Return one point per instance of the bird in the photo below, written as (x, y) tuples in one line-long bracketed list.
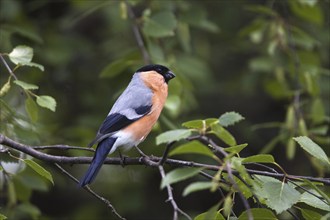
[(132, 116)]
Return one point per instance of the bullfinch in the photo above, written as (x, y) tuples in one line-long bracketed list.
[(132, 116)]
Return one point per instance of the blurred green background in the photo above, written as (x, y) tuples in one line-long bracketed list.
[(253, 57)]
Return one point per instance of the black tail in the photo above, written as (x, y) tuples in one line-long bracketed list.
[(102, 151)]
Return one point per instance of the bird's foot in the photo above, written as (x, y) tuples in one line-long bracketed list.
[(122, 159)]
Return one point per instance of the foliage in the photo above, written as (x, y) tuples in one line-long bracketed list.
[(267, 60)]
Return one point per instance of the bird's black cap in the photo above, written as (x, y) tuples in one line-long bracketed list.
[(162, 70)]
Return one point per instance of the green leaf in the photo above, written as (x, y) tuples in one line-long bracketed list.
[(25, 85), (193, 147), (32, 109), (236, 149), (243, 188), (212, 213), (318, 111), (161, 24), (312, 148), (197, 186), (310, 215), (278, 196), (227, 205), (178, 175), (223, 134), (317, 189), (199, 124), (47, 102), (2, 217), (258, 213), (230, 118), (311, 13), (260, 158), (37, 65), (21, 54), (290, 149), (313, 201), (173, 135), (237, 165), (205, 216), (39, 169), (5, 88)]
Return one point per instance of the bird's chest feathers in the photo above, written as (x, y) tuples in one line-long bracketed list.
[(142, 127)]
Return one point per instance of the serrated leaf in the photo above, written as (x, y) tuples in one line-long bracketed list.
[(47, 102), (313, 201), (260, 158), (277, 195), (25, 85), (178, 175), (39, 169), (37, 65), (193, 147), (199, 124), (32, 109), (236, 149), (21, 54), (258, 213), (230, 118), (173, 135), (312, 148), (161, 24), (223, 134), (197, 186)]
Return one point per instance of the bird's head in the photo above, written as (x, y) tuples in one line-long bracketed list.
[(162, 70)]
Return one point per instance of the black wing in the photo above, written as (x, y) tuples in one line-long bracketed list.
[(117, 121)]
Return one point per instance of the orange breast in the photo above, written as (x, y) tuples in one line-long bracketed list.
[(142, 127)]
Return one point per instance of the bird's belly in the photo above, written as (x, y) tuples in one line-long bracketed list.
[(125, 141)]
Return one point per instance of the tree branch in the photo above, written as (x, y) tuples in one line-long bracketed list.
[(8, 68), (139, 161), (137, 34), (176, 209)]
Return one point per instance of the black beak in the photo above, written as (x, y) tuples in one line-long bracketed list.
[(168, 76)]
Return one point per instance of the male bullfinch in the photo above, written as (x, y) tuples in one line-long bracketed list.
[(132, 116)]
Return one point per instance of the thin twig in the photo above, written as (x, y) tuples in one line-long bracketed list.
[(165, 154), (176, 209), (141, 161), (88, 189), (240, 193), (137, 34), (230, 175), (8, 68)]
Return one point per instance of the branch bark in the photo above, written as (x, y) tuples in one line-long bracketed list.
[(30, 150)]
